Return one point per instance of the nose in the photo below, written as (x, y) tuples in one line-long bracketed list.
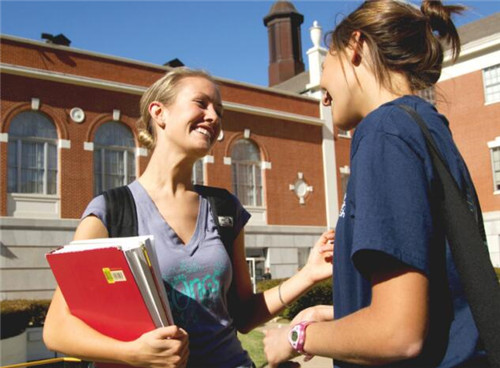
[(211, 114), (326, 99)]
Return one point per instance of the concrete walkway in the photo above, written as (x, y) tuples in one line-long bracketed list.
[(316, 362)]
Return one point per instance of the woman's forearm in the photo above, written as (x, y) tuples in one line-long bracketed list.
[(67, 334), (263, 306)]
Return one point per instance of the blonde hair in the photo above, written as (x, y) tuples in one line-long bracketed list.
[(164, 90)]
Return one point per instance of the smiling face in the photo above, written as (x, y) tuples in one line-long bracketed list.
[(341, 89), (192, 122)]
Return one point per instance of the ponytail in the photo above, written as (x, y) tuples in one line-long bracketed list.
[(402, 38)]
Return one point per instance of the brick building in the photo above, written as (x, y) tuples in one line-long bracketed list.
[(67, 131)]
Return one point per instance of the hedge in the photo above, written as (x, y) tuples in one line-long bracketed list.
[(16, 315), (321, 293)]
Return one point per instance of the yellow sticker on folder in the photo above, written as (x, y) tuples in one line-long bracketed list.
[(113, 276)]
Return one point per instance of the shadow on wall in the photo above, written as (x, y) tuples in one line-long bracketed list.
[(6, 252)]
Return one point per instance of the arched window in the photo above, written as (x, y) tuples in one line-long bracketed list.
[(246, 172), (32, 154), (114, 156)]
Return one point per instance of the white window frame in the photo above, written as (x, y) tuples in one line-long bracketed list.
[(494, 146), (343, 133), (491, 82), (256, 172), (428, 94), (47, 142), (100, 151), (195, 179)]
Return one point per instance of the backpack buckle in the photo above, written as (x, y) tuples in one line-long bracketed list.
[(226, 221)]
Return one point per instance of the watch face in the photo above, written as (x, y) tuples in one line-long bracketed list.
[(294, 335)]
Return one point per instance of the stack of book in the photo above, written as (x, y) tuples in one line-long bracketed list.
[(113, 285)]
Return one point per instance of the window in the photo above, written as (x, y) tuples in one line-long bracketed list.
[(114, 156), (495, 162), (491, 80), (345, 173), (246, 172), (197, 177), (428, 94), (32, 154), (343, 133)]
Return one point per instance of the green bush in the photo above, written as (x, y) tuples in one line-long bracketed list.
[(321, 293), (16, 315), (497, 270)]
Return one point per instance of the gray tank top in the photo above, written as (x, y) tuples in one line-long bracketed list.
[(196, 276)]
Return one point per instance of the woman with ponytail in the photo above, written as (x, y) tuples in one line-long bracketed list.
[(397, 296)]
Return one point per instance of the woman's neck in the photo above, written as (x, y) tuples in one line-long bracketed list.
[(376, 94), (168, 173)]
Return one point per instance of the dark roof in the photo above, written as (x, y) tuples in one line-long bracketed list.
[(296, 84), (282, 6), (283, 9), (480, 28)]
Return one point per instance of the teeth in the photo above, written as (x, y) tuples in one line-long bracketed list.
[(203, 131)]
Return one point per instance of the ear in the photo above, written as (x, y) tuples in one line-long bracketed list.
[(156, 110), (356, 45)]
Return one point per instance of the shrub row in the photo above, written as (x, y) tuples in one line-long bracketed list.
[(17, 315), (321, 293)]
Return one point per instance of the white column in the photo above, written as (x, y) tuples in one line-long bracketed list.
[(316, 56)]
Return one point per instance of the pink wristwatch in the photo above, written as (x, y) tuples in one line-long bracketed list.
[(297, 338)]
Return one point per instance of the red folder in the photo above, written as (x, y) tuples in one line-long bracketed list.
[(114, 285), (100, 289)]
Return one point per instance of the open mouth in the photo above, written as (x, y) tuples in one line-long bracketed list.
[(204, 131)]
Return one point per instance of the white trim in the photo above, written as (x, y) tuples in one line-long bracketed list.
[(70, 79), (329, 168), (496, 192), (63, 143), (116, 114), (227, 160), (495, 143), (466, 65), (4, 137), (137, 90), (35, 104), (345, 170), (265, 165), (262, 111), (246, 133), (88, 146), (141, 152), (208, 159)]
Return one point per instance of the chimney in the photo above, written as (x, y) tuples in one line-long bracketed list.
[(285, 50)]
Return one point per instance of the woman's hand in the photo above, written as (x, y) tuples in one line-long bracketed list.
[(318, 313), (319, 263), (165, 347), (276, 346)]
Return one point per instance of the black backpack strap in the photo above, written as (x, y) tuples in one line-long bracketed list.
[(224, 213), (121, 213), (465, 235)]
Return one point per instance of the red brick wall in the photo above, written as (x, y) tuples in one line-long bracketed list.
[(289, 146), (473, 125)]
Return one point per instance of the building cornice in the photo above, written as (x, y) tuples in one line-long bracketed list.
[(139, 90), (474, 56), (160, 68)]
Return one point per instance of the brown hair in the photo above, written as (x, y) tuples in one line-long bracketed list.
[(164, 90), (402, 38)]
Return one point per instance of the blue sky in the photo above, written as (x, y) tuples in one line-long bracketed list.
[(227, 38)]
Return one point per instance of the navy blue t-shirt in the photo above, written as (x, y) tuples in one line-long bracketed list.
[(387, 218)]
